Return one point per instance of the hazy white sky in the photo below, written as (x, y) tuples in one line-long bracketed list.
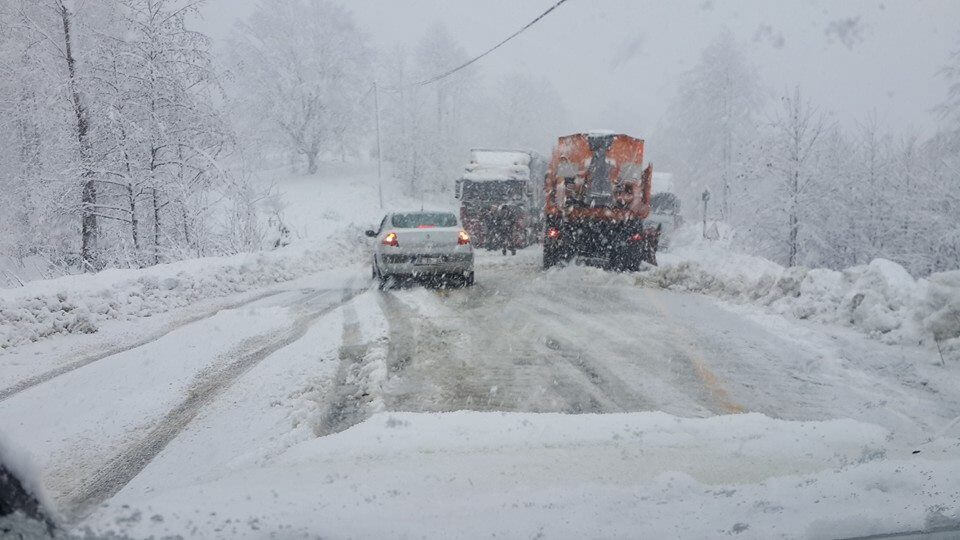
[(616, 62)]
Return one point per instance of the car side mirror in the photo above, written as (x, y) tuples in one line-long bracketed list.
[(370, 233)]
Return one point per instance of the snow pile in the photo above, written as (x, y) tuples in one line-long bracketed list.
[(78, 304), (633, 475), (497, 165), (880, 298)]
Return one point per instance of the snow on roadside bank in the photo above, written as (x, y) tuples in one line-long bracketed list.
[(326, 214), (553, 475), (80, 303), (880, 299)]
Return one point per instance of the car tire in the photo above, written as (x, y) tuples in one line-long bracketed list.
[(383, 279), (469, 280), (551, 255)]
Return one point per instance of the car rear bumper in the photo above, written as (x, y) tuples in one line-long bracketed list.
[(426, 264)]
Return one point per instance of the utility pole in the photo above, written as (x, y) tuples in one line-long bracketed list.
[(706, 197), (376, 101)]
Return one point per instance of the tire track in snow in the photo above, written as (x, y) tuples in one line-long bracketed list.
[(613, 391), (706, 376), (479, 364), (693, 366), (426, 374), (402, 344), (619, 396), (35, 380), (494, 330), (347, 405), (576, 375), (402, 340), (123, 467)]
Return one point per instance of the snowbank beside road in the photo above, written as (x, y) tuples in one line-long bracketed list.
[(636, 475), (326, 214), (880, 299), (79, 304)]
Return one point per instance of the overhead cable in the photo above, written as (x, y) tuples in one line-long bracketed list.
[(491, 49)]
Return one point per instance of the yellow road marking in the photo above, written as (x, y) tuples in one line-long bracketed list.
[(709, 379)]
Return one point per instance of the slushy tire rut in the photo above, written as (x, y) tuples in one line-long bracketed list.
[(121, 469), (347, 403)]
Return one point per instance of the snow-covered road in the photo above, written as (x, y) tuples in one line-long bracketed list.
[(237, 402), (582, 340), (94, 424)]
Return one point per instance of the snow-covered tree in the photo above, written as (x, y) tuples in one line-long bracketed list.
[(401, 113), (119, 146), (46, 102), (873, 174), (528, 113), (790, 194), (448, 108), (949, 109), (942, 178), (300, 67), (707, 134), (161, 136), (429, 128)]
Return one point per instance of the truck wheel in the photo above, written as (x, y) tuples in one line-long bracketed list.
[(469, 279), (549, 257), (650, 256), (650, 249), (627, 261), (627, 258)]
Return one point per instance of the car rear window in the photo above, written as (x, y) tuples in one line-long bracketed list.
[(424, 219)]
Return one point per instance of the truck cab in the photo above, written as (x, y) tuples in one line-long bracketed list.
[(498, 183)]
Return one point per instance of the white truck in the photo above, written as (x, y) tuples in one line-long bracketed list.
[(664, 207), (493, 179)]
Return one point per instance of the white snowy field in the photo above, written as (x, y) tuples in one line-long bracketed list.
[(300, 400)]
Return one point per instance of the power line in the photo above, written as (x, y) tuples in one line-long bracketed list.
[(491, 49)]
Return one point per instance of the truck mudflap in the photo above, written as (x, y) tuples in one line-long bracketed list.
[(481, 224), (613, 245)]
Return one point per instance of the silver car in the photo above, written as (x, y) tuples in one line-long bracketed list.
[(422, 244)]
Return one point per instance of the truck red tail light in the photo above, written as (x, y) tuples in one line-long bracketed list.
[(639, 237), (553, 233), (463, 238), (390, 240)]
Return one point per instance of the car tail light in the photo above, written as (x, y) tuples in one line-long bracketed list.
[(463, 238), (390, 240), (639, 237), (553, 233)]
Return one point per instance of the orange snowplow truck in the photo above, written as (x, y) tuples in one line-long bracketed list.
[(597, 198)]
